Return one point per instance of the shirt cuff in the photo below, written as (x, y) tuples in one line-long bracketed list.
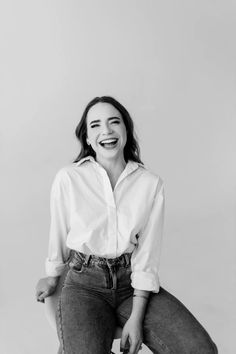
[(54, 268), (145, 281)]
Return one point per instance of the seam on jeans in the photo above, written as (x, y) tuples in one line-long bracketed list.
[(60, 325), (164, 347), (124, 316)]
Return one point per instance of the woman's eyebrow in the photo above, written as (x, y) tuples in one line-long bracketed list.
[(95, 121), (113, 118), (98, 120)]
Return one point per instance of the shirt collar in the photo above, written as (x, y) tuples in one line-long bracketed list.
[(131, 165), (86, 158)]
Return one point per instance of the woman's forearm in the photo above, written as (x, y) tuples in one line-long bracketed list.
[(53, 280), (140, 299)]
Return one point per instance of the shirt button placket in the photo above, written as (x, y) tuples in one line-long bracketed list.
[(112, 230), (112, 216)]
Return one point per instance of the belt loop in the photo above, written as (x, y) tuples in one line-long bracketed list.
[(87, 259), (127, 259), (70, 256)]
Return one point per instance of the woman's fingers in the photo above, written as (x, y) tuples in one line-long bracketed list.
[(139, 347), (124, 342), (131, 338), (45, 288), (134, 347), (41, 295)]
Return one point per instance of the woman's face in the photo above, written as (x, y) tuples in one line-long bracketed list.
[(106, 131)]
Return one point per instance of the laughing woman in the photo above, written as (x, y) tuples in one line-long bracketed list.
[(107, 213)]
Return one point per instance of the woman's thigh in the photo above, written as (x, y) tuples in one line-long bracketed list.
[(169, 327), (85, 321)]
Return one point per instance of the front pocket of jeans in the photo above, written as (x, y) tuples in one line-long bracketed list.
[(76, 265), (78, 268)]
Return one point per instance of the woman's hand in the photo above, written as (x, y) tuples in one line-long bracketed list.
[(132, 336), (46, 287)]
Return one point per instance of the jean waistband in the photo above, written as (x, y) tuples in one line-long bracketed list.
[(124, 259)]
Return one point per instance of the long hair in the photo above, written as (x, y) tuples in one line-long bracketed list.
[(131, 149)]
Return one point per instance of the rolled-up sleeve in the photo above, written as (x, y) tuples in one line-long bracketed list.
[(59, 226), (145, 258)]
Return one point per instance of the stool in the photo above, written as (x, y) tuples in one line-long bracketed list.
[(51, 307)]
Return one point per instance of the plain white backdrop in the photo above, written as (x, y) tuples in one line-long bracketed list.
[(172, 64)]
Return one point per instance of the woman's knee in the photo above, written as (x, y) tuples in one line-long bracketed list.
[(214, 348), (197, 343), (172, 324), (206, 346), (160, 342)]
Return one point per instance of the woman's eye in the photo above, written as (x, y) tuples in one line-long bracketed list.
[(115, 122), (94, 125)]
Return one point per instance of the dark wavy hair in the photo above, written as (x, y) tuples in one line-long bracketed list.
[(131, 149)]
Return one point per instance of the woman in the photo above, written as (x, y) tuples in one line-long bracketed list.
[(107, 214)]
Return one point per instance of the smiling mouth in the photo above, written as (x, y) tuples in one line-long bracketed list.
[(109, 143)]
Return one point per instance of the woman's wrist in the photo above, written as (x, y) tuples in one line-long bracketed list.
[(137, 317), (53, 280), (143, 296), (140, 299)]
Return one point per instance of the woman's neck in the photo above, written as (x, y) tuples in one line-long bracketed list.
[(113, 167)]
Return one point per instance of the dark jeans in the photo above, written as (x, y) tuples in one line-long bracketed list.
[(97, 296)]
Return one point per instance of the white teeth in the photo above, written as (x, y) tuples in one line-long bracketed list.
[(108, 141)]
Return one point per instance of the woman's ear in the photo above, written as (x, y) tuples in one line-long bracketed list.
[(87, 141)]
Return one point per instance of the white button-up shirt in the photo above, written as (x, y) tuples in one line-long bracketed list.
[(88, 216)]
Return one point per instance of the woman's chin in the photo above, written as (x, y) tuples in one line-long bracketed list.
[(110, 153)]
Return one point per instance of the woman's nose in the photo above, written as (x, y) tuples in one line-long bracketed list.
[(106, 128)]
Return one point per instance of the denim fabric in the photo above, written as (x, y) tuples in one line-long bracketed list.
[(97, 295)]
